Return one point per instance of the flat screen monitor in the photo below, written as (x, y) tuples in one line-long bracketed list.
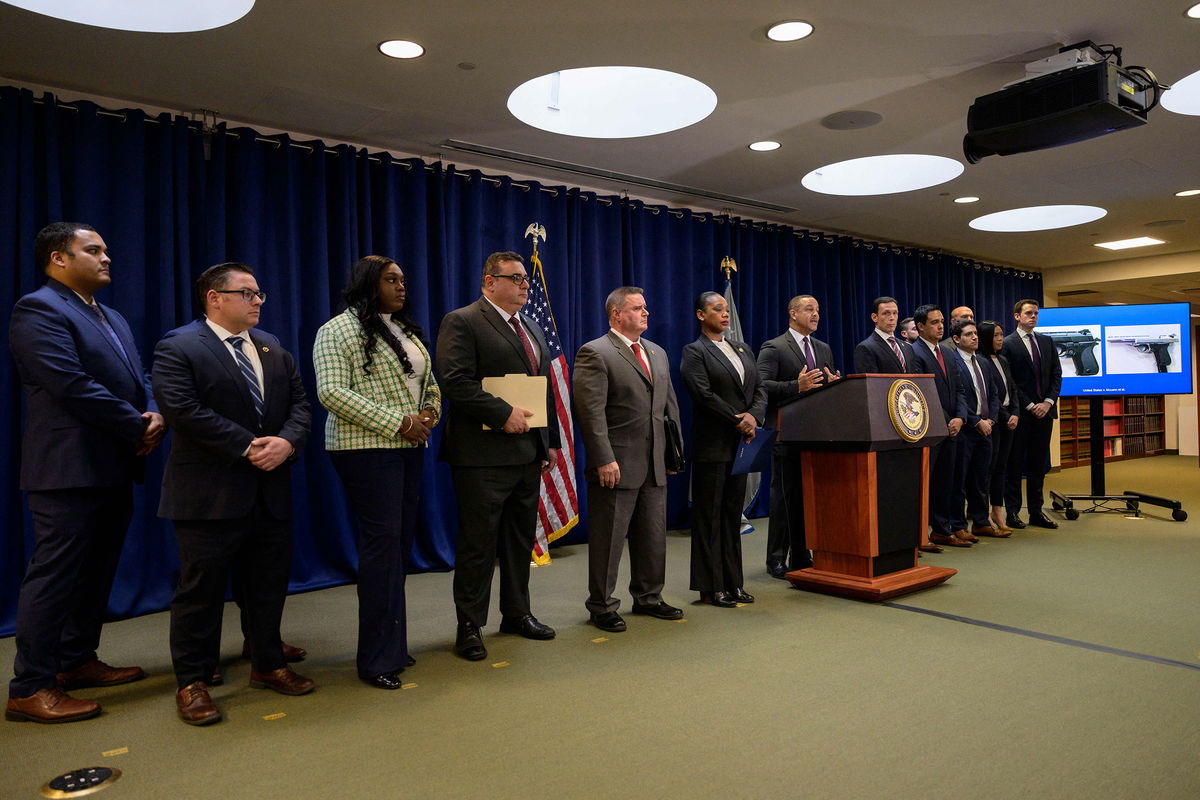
[(1115, 350)]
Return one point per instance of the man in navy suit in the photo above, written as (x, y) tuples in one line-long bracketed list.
[(1038, 375), (790, 365), (90, 421), (981, 407), (882, 352), (240, 418), (933, 358)]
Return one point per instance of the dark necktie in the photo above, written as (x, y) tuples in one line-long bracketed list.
[(896, 350), (808, 354), (637, 351), (937, 351), (243, 362), (520, 329), (108, 328), (1037, 365), (980, 388)]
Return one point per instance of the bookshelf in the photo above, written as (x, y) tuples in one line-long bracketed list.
[(1134, 427)]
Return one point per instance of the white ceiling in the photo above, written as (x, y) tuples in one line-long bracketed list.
[(311, 66)]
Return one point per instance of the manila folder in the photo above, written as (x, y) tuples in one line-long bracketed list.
[(521, 391)]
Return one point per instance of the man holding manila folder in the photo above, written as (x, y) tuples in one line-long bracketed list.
[(496, 449)]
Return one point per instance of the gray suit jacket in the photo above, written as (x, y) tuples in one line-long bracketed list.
[(779, 364), (620, 412)]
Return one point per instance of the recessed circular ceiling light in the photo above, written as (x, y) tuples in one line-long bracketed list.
[(966, 199), (401, 48), (764, 146), (142, 16), (1188, 193), (612, 102), (789, 31), (1194, 11), (1037, 218), (1184, 96), (882, 174)]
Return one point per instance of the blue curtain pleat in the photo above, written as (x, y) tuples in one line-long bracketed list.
[(171, 199)]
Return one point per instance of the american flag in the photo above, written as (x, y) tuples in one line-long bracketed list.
[(558, 508)]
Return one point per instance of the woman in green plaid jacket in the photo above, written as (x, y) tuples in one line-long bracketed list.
[(375, 377)]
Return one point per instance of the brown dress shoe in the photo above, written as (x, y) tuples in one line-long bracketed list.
[(988, 530), (966, 537), (97, 673), (283, 680), (195, 706), (931, 548), (291, 654), (50, 705), (949, 541)]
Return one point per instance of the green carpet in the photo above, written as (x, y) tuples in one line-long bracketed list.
[(798, 695)]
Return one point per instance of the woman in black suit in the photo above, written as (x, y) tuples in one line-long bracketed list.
[(728, 404), (991, 339)]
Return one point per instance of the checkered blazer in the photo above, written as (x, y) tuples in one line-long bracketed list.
[(366, 411)]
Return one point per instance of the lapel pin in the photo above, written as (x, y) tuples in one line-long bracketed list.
[(266, 349)]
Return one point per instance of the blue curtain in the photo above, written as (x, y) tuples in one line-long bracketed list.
[(171, 199)]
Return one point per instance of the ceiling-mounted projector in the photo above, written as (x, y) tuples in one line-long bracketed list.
[(1086, 93)]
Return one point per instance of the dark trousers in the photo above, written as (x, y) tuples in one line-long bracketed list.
[(258, 549), (785, 531), (497, 511), (717, 500), (943, 477), (78, 534), (1030, 456), (383, 489), (970, 490), (1002, 440), (615, 516)]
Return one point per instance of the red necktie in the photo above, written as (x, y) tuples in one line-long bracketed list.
[(520, 329), (937, 351), (896, 350), (637, 351)]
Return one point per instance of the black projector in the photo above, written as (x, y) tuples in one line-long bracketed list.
[(1056, 109)]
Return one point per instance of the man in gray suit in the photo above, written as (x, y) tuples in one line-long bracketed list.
[(623, 393), (496, 460)]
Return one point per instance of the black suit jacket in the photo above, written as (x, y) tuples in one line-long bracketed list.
[(874, 355), (970, 396), (1009, 409), (207, 403), (949, 391), (1021, 364), (779, 363), (474, 343), (83, 421), (718, 394)]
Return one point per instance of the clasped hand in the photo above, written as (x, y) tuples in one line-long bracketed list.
[(268, 452)]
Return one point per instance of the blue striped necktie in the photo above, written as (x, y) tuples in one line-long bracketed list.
[(243, 362)]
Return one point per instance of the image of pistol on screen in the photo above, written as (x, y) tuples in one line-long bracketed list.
[(1158, 346), (1079, 346)]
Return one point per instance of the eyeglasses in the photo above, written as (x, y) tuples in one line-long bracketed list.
[(247, 294), (518, 278)]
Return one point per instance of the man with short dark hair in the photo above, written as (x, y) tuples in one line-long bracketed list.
[(907, 330), (1038, 374), (239, 417), (90, 420), (981, 404), (496, 460), (882, 352), (623, 393), (790, 365)]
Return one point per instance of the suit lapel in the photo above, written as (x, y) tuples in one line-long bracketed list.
[(81, 309), (226, 359), (505, 330), (626, 353), (714, 352), (796, 351)]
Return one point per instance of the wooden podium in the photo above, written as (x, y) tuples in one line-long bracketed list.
[(866, 483)]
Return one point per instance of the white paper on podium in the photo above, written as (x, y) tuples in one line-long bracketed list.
[(521, 391)]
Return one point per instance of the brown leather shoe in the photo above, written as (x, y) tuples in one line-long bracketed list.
[(291, 654), (195, 706), (931, 548), (966, 537), (949, 541), (988, 530), (50, 705), (97, 673), (283, 680)]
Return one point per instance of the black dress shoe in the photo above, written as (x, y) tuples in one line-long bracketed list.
[(527, 626), (777, 571), (409, 661), (1041, 521), (718, 599), (388, 680), (659, 610), (469, 644), (608, 621), (740, 595), (1014, 522)]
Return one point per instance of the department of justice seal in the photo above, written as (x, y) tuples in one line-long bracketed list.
[(908, 410)]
